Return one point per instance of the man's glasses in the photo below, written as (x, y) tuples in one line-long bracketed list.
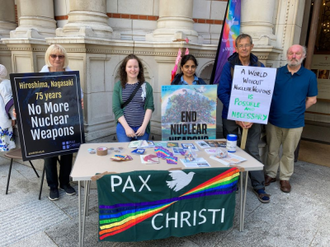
[(294, 53), (243, 46), (55, 56)]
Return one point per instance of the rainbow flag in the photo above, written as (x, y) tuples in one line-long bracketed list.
[(230, 31), (139, 206)]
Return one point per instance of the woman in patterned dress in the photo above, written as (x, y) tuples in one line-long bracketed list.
[(7, 120)]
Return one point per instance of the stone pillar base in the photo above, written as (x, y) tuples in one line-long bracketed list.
[(85, 23), (5, 29), (28, 29), (166, 35)]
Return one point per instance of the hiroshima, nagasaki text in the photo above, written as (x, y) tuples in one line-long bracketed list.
[(42, 84), (59, 84)]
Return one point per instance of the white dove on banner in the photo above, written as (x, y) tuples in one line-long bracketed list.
[(180, 180), (202, 89)]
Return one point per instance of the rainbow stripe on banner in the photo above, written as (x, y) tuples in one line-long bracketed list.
[(115, 219), (229, 33)]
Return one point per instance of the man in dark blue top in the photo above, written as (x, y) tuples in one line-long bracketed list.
[(295, 90), (242, 56)]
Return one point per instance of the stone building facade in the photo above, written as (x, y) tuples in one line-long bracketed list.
[(98, 34)]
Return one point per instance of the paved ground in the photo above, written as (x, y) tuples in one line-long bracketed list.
[(301, 218)]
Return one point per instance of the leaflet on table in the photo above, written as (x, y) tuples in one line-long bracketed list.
[(161, 144), (198, 162), (189, 145), (213, 143), (202, 144), (147, 144), (149, 159), (229, 159), (135, 144), (172, 144), (212, 150), (179, 151)]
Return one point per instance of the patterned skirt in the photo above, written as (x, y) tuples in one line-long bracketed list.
[(6, 139)]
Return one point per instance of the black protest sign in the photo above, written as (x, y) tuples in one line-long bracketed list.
[(49, 113)]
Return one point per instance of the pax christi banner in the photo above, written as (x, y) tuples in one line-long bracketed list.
[(49, 113), (229, 33), (189, 112), (145, 205)]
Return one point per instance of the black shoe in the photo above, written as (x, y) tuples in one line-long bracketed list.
[(53, 194), (68, 189)]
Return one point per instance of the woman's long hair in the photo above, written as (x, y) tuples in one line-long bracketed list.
[(122, 70)]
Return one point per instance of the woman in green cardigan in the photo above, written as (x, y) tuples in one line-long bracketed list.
[(132, 113)]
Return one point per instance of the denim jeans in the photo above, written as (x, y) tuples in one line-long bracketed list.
[(122, 137)]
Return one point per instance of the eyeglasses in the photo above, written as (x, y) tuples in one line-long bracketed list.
[(294, 53), (244, 46), (55, 56)]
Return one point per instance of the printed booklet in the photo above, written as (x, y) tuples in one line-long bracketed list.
[(172, 144), (213, 143), (178, 151), (191, 145), (135, 144), (199, 162), (147, 144), (229, 159), (202, 144), (161, 144)]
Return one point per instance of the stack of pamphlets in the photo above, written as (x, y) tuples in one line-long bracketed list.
[(147, 144), (141, 144), (189, 145), (202, 144), (135, 144), (198, 162), (214, 143), (230, 159)]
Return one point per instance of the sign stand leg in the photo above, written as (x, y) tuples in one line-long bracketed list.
[(243, 180), (244, 137)]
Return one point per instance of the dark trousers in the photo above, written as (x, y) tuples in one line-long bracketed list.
[(51, 170), (252, 141)]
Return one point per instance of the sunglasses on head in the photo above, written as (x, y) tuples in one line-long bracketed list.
[(55, 56)]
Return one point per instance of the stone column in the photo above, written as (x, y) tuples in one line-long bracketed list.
[(87, 39), (36, 19), (7, 18), (175, 22), (258, 20), (7, 23), (87, 18)]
